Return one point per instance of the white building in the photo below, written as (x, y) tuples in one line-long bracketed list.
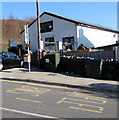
[(59, 32)]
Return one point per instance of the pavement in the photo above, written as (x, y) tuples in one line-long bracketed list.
[(60, 79)]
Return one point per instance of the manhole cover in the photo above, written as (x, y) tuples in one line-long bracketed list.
[(52, 74)]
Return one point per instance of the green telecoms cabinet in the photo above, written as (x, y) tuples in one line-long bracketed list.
[(94, 68), (51, 61)]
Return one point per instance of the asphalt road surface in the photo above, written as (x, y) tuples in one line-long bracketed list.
[(31, 100)]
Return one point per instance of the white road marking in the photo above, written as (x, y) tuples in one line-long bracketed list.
[(27, 113)]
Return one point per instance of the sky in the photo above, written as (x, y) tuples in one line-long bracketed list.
[(99, 13)]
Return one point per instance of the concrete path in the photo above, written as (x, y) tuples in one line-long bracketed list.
[(60, 79)]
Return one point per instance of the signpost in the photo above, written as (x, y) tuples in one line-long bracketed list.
[(28, 56)]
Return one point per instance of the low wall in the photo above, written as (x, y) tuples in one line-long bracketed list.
[(94, 54)]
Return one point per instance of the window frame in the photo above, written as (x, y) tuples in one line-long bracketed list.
[(46, 26), (51, 41)]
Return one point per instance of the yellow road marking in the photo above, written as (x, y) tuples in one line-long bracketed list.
[(50, 86), (64, 100), (29, 90), (83, 94), (23, 92), (86, 109), (88, 97), (12, 91), (61, 100), (28, 100), (35, 95), (78, 103), (81, 100)]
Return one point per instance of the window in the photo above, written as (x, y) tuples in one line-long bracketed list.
[(49, 41), (46, 26), (0, 55), (68, 40), (65, 40), (5, 54), (71, 39), (12, 54)]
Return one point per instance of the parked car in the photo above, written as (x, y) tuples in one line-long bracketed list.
[(9, 59)]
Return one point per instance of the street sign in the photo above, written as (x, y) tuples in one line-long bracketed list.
[(12, 43), (27, 45), (26, 34), (27, 58)]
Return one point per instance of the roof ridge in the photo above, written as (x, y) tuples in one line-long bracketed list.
[(79, 22), (83, 24)]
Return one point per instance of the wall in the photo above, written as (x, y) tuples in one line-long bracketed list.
[(94, 37), (32, 37), (23, 40), (61, 28), (95, 54), (118, 52)]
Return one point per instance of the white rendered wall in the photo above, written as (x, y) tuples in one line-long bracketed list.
[(23, 40), (90, 37), (61, 28), (32, 37)]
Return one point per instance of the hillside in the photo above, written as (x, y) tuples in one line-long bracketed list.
[(11, 31)]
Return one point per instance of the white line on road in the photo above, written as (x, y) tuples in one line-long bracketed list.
[(27, 113)]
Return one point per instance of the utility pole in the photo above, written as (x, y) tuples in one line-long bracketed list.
[(38, 23), (39, 37)]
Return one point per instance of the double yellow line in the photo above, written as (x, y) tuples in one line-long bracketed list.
[(38, 84)]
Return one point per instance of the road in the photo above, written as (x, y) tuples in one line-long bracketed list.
[(29, 100)]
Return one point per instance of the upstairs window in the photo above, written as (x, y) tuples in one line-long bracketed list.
[(46, 26)]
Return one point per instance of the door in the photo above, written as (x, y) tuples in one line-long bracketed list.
[(14, 59), (6, 59)]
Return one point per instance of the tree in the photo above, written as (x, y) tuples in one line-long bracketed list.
[(29, 19), (11, 17)]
